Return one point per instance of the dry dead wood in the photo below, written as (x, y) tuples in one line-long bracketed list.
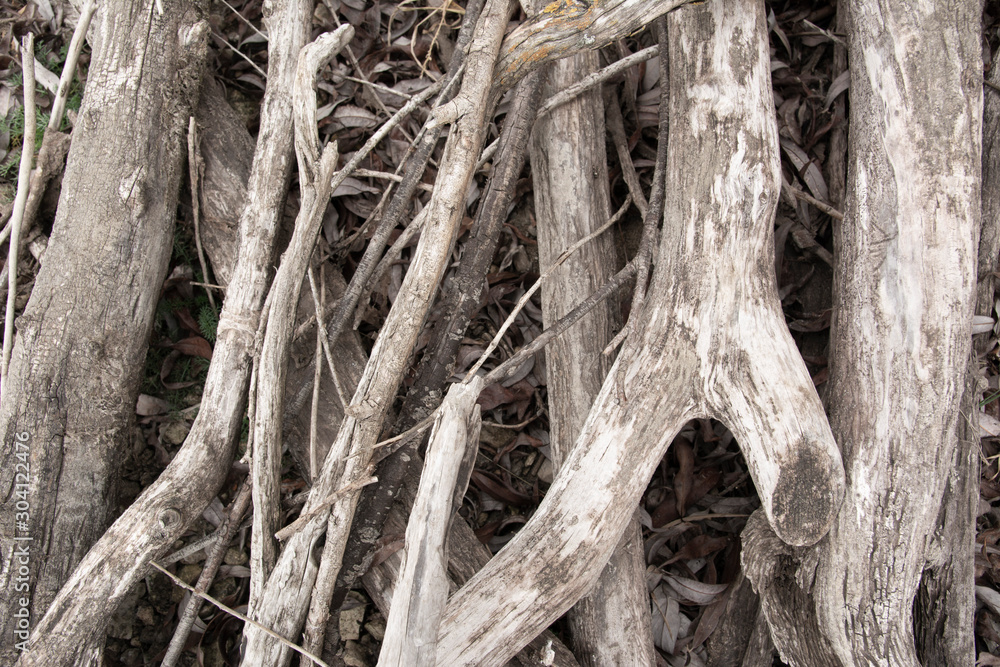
[(459, 302), (316, 165), (611, 625), (286, 593), (904, 296), (565, 27), (228, 149), (121, 557), (712, 341), (81, 342), (466, 556), (421, 591)]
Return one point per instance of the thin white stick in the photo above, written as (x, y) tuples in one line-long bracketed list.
[(317, 379), (194, 175), (232, 612), (538, 283), (601, 75), (72, 55), (20, 199)]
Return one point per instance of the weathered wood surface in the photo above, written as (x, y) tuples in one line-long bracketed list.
[(421, 592), (466, 556), (569, 167), (904, 294), (712, 342), (81, 342), (286, 593), (162, 513)]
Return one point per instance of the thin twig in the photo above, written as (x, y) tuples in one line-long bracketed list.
[(220, 542), (538, 283), (195, 167), (809, 199), (244, 56), (651, 219), (420, 427), (69, 68), (390, 257), (378, 86), (507, 368), (320, 307), (616, 126), (357, 68), (324, 504), (20, 199), (596, 78), (369, 173), (319, 302), (232, 612), (252, 26)]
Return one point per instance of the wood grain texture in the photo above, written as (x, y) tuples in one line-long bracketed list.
[(904, 295), (712, 342), (161, 514), (611, 625)]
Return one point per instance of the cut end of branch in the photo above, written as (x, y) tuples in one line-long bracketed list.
[(807, 496)]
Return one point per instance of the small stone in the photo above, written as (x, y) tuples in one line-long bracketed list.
[(350, 622), (355, 655), (175, 432), (376, 627), (235, 556), (545, 471), (189, 574), (145, 614)]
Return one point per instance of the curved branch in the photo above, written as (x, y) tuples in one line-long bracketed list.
[(711, 342)]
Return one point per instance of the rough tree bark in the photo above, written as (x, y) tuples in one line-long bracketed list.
[(82, 339), (569, 168), (904, 293), (80, 612), (712, 342)]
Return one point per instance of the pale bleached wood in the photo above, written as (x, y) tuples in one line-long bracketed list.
[(904, 296), (611, 625), (466, 555), (421, 591), (161, 514), (711, 342), (286, 592), (561, 29), (228, 150), (315, 172)]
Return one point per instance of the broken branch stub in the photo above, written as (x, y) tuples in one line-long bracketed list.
[(565, 27), (712, 342)]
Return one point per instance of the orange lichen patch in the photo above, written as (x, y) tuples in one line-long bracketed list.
[(555, 30)]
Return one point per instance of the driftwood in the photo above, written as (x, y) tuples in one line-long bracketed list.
[(316, 166), (421, 591), (611, 626), (904, 295), (227, 150), (163, 511), (712, 342), (286, 592), (81, 341), (466, 557)]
